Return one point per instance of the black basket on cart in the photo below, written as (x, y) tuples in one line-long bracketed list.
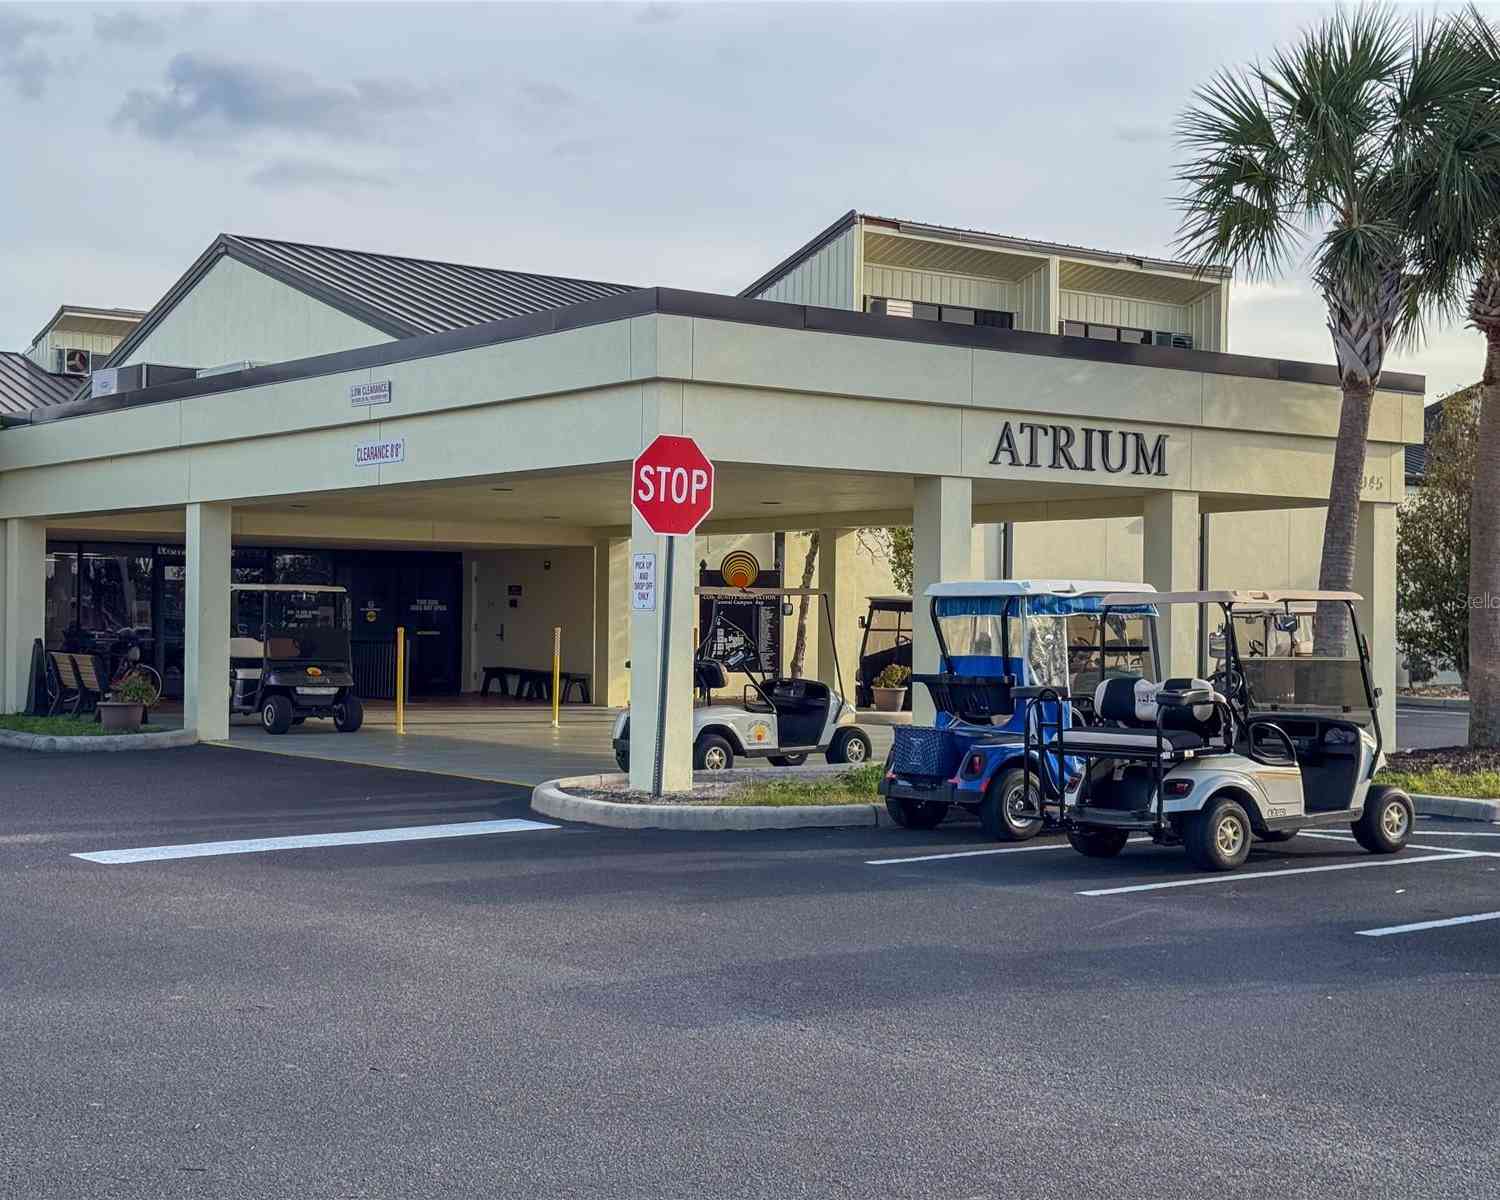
[(972, 698)]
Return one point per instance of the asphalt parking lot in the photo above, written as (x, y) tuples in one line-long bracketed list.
[(565, 1011)]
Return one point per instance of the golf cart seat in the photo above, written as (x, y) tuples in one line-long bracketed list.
[(709, 675), (1130, 705)]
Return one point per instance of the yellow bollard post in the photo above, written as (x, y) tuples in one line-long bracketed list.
[(556, 672), (400, 678)]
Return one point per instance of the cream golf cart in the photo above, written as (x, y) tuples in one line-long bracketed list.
[(775, 717), (1279, 739)]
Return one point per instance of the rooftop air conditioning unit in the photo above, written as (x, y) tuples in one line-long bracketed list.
[(1178, 341), (898, 308), (72, 362), (228, 368)]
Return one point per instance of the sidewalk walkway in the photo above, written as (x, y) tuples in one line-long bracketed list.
[(502, 743)]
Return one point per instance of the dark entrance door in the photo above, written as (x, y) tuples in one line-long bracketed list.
[(431, 606)]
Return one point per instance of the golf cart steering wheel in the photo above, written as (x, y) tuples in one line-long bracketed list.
[(1230, 683)]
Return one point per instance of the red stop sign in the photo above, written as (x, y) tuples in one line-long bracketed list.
[(672, 485)]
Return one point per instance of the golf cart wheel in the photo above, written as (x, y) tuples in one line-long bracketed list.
[(787, 760), (276, 714), (915, 814), (622, 760), (348, 714), (1009, 813), (1218, 838), (1098, 843), (850, 746), (1385, 825), (712, 753)]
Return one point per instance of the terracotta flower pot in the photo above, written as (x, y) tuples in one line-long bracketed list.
[(119, 717), (888, 699)]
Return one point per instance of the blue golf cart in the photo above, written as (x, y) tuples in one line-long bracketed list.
[(1001, 643)]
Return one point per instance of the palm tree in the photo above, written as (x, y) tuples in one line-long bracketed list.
[(1327, 149), (1476, 245)]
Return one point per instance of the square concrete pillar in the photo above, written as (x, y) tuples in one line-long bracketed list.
[(989, 552), (942, 549), (205, 650), (648, 632), (1375, 580), (836, 550), (23, 606), (1170, 559), (611, 682)]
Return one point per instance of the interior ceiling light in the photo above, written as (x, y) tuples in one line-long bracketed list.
[(500, 489), (770, 501)]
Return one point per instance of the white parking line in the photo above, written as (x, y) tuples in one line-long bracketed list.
[(1416, 926), (1455, 833), (357, 837), (889, 862), (1242, 877)]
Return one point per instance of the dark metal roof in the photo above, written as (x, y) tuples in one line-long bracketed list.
[(25, 386), (409, 296), (400, 297)]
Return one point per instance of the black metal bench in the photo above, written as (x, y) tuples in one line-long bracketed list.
[(534, 684)]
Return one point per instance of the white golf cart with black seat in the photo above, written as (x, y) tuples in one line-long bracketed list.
[(1276, 741), (778, 718)]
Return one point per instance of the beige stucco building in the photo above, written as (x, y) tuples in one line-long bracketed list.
[(1049, 409)]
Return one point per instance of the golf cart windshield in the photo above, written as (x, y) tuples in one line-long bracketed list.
[(1047, 641), (303, 625), (1274, 649)]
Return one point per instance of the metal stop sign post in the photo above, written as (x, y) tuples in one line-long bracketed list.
[(672, 487)]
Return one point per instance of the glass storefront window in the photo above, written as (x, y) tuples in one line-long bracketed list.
[(302, 566), (62, 598)]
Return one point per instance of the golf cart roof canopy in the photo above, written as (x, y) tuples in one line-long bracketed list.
[(285, 587), (1236, 599), (1036, 587), (890, 601)]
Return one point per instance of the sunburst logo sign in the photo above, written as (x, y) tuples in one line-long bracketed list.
[(740, 569)]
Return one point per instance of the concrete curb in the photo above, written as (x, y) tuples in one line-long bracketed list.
[(1462, 807), (49, 743), (552, 799), (1450, 702)]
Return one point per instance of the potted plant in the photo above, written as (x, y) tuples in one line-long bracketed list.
[(125, 708), (889, 688)]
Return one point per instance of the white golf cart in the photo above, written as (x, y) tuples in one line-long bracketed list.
[(1278, 740), (778, 718)]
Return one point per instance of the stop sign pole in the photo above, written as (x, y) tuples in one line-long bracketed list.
[(672, 488)]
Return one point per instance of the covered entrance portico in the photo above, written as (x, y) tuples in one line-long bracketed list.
[(515, 440)]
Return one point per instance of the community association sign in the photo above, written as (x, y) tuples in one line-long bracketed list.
[(1079, 448)]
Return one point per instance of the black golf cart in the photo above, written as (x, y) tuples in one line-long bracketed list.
[(886, 641), (289, 656)]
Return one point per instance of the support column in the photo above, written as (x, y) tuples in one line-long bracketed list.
[(661, 412), (611, 681), (1170, 554), (942, 548), (989, 551), (23, 606), (836, 550), (646, 637), (1375, 580), (205, 650)]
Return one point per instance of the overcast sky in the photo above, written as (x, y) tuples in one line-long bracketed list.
[(661, 143)]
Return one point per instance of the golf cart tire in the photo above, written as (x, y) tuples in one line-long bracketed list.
[(349, 715), (1208, 839), (622, 760), (787, 760), (709, 747), (1373, 831), (915, 814), (995, 817), (1098, 843), (276, 714), (839, 749)]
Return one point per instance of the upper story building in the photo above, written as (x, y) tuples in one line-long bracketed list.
[(968, 277), (80, 337)]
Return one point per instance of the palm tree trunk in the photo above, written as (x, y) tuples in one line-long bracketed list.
[(799, 649), (1484, 548), (1341, 526)]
